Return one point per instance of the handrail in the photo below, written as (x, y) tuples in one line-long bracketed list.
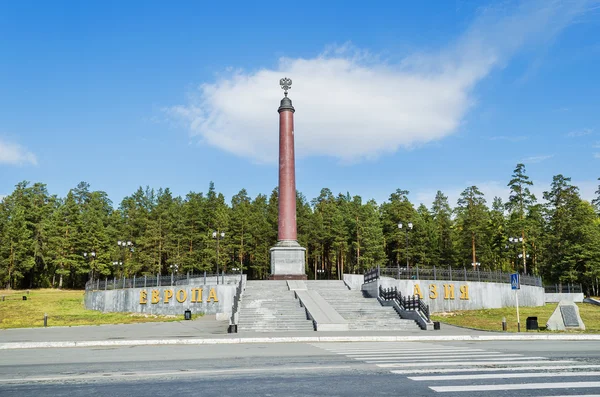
[(408, 303), (236, 300), (453, 274), (168, 280), (371, 275)]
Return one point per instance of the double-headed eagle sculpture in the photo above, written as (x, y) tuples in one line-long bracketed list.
[(286, 84)]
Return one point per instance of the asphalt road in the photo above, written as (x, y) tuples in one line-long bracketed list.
[(534, 368)]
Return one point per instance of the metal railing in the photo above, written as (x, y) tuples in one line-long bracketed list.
[(563, 289), (408, 303), (449, 274), (160, 281), (371, 275), (234, 309)]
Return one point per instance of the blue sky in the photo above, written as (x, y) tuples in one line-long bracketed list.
[(412, 95)]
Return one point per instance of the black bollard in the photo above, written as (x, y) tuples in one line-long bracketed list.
[(503, 323), (45, 319)]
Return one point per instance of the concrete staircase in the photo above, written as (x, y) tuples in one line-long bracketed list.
[(269, 306), (362, 314)]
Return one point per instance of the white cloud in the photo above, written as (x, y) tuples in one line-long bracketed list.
[(597, 155), (15, 154), (578, 133), (353, 106), (536, 159)]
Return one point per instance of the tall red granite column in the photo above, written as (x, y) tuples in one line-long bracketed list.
[(287, 256), (287, 173)]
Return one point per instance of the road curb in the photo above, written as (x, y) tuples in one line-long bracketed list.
[(294, 339)]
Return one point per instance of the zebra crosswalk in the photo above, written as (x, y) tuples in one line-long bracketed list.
[(457, 369)]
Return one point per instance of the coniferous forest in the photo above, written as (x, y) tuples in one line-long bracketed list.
[(61, 242)]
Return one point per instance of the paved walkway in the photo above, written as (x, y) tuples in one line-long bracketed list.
[(207, 330)]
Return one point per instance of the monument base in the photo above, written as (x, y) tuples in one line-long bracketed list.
[(288, 261), (288, 277)]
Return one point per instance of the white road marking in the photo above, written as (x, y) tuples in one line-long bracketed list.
[(495, 369), (441, 353), (132, 375), (464, 364), (476, 361), (521, 386), (439, 358), (366, 351), (579, 395), (502, 376)]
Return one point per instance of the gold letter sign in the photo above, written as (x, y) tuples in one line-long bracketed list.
[(212, 296), (464, 292), (432, 291), (417, 291), (155, 296), (143, 297)]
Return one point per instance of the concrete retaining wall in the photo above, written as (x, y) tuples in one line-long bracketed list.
[(354, 281), (571, 297), (214, 299), (446, 296)]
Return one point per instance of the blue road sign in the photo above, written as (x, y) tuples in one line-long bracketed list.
[(515, 282)]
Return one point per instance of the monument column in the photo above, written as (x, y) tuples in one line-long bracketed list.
[(287, 257)]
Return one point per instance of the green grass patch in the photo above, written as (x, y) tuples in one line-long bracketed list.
[(491, 319), (64, 308)]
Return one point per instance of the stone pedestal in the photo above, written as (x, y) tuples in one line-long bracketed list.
[(288, 261)]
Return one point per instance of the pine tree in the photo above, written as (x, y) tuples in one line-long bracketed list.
[(472, 220), (596, 201), (563, 199), (442, 219), (240, 225), (16, 240), (398, 210), (519, 202)]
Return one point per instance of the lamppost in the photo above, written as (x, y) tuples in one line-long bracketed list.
[(524, 261), (91, 256), (124, 245), (120, 264), (218, 236), (516, 240), (320, 271), (409, 227), (174, 269)]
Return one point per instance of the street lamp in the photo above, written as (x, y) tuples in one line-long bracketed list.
[(175, 269), (124, 245), (320, 271), (120, 264), (409, 227), (524, 260), (516, 240), (476, 265), (91, 256), (218, 236)]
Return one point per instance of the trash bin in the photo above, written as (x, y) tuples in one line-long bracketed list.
[(24, 297), (531, 323), (187, 315), (436, 325)]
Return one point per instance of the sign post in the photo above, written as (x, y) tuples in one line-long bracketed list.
[(515, 284)]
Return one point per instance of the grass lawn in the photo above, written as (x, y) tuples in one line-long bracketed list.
[(491, 319), (64, 308)]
